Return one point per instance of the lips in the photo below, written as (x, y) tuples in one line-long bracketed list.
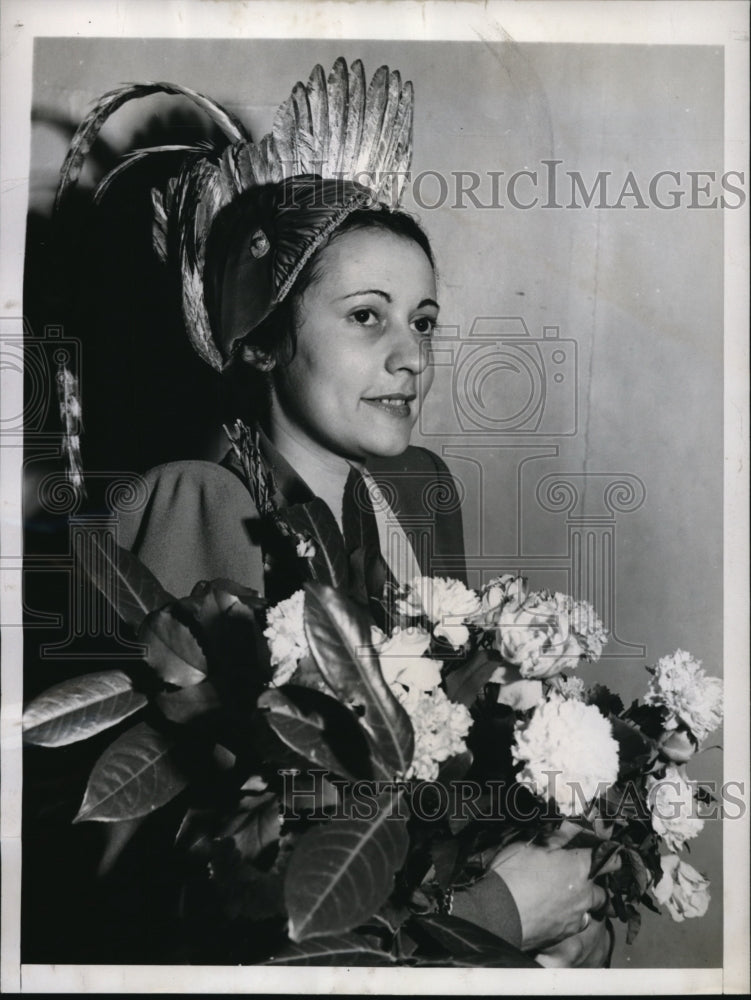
[(396, 404)]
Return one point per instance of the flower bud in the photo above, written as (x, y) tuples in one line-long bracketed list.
[(677, 746)]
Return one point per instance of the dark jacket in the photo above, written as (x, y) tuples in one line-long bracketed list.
[(200, 523)]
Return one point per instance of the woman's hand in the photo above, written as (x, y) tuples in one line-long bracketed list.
[(589, 949), (552, 889)]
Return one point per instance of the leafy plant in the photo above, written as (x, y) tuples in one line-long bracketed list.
[(274, 823)]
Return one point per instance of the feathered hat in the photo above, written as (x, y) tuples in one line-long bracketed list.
[(252, 214)]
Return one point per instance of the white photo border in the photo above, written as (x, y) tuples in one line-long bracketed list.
[(701, 23)]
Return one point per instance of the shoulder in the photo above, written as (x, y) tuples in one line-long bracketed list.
[(192, 475), (196, 521), (193, 486)]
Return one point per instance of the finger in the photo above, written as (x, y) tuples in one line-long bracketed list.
[(587, 949), (599, 898), (563, 955), (611, 865), (595, 946), (552, 961)]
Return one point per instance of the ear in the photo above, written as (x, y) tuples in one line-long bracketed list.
[(257, 357)]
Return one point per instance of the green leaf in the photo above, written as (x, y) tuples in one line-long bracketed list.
[(256, 826), (308, 792), (454, 768), (632, 746), (601, 854), (235, 886), (445, 854), (231, 629), (633, 925), (226, 589), (131, 588), (603, 698), (639, 870), (172, 649), (341, 872), (462, 938), (117, 837), (304, 729), (79, 708), (466, 682), (338, 632), (308, 675), (134, 776), (340, 949), (315, 521), (210, 599), (189, 703)]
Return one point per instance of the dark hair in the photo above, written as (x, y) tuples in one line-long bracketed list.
[(276, 336)]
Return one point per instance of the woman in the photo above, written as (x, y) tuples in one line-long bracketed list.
[(319, 300)]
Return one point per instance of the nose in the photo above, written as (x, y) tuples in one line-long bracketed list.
[(408, 351)]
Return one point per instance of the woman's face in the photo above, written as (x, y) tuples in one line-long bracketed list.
[(362, 367)]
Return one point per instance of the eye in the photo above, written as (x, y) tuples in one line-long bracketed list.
[(364, 316), (424, 325)]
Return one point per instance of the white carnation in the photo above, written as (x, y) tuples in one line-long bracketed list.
[(497, 592), (536, 636), (447, 603), (569, 687), (285, 631), (402, 658), (568, 753), (440, 726), (671, 800), (691, 697), (682, 889), (585, 625)]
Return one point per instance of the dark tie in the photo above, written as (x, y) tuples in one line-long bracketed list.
[(369, 572)]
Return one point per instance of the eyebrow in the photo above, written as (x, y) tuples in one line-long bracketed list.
[(386, 297)]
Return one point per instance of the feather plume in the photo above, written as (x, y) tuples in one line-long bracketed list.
[(270, 157), (399, 152), (375, 106), (70, 417), (106, 106), (304, 140), (258, 478), (338, 102), (283, 131), (355, 116), (393, 93), (199, 196), (247, 166), (159, 225), (318, 100), (230, 169), (138, 156)]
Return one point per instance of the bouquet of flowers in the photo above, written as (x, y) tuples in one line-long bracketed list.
[(334, 782), (547, 751)]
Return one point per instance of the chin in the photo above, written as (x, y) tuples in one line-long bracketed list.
[(387, 447)]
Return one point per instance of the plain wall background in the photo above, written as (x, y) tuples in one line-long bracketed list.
[(639, 290)]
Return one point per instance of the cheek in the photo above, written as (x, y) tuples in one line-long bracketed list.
[(426, 379), (321, 386)]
